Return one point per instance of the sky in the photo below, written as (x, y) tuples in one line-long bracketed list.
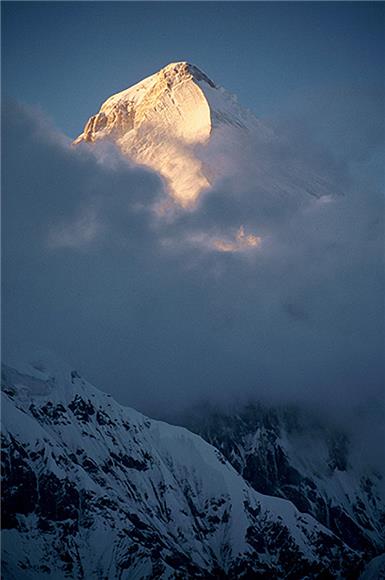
[(88, 270), (68, 57)]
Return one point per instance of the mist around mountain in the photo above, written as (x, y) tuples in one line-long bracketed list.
[(279, 290), (257, 289), (179, 123), (162, 120), (289, 452)]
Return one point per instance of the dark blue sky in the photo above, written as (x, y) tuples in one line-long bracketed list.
[(67, 57)]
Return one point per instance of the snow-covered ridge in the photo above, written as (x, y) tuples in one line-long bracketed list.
[(93, 489), (159, 121), (193, 132), (293, 454)]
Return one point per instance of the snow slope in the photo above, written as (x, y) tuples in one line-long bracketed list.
[(157, 123), (179, 123), (288, 453), (92, 489)]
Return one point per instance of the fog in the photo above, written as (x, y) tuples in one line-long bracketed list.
[(148, 309)]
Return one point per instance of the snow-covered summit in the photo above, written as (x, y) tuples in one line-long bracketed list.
[(183, 69), (160, 121), (181, 124)]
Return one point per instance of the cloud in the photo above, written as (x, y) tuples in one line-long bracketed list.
[(238, 242), (272, 288)]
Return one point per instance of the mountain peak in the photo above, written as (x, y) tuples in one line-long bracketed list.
[(183, 70), (160, 121)]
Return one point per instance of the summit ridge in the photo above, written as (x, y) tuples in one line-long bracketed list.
[(193, 133), (184, 69), (160, 121)]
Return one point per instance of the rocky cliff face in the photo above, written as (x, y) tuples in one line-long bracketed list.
[(95, 490), (286, 453)]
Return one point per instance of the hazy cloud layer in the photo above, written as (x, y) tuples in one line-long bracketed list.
[(151, 310)]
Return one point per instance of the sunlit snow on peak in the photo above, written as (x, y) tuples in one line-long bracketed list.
[(160, 121)]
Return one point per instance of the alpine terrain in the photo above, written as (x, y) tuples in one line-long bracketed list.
[(95, 490), (290, 453), (92, 489), (182, 125)]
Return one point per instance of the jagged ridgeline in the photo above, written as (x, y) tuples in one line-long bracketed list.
[(290, 453), (92, 489)]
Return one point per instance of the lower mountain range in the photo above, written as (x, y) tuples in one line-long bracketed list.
[(92, 489)]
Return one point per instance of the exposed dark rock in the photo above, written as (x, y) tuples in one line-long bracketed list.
[(251, 441), (83, 410), (58, 498), (19, 488)]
